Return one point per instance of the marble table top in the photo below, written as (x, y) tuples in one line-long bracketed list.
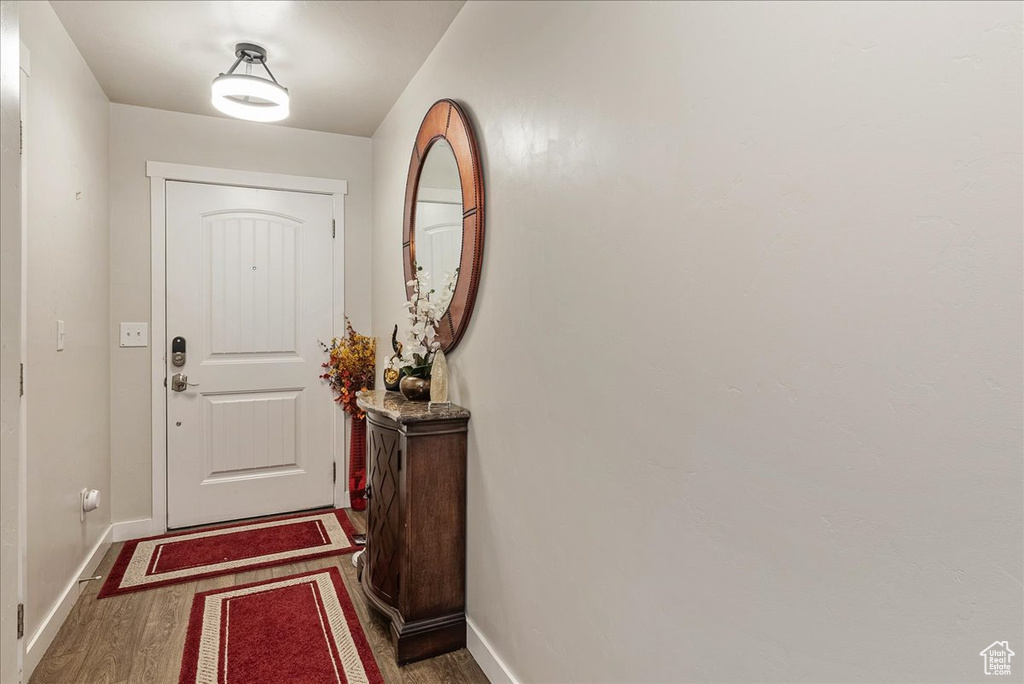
[(399, 409)]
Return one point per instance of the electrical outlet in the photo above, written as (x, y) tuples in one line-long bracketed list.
[(134, 335)]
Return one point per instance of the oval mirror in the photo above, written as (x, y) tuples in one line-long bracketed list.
[(444, 215), (437, 234)]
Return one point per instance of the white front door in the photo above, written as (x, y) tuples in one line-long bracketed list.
[(250, 291), (438, 238)]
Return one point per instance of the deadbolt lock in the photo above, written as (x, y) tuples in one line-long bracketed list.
[(178, 352)]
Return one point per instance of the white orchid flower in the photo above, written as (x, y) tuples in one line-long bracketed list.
[(425, 308)]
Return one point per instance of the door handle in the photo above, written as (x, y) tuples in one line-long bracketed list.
[(179, 382)]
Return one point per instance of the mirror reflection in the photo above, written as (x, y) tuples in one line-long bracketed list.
[(437, 237)]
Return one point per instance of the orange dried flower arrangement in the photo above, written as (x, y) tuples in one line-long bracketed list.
[(350, 367)]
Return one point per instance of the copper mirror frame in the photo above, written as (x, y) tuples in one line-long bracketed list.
[(446, 119)]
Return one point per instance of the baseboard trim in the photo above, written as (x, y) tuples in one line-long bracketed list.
[(136, 529), (345, 501), (489, 661), (51, 624)]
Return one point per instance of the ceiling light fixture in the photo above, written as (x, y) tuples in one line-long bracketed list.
[(249, 97)]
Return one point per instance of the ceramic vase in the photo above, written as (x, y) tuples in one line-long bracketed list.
[(357, 464), (415, 389), (391, 379), (439, 379)]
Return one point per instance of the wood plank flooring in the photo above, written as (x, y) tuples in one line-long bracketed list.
[(138, 638)]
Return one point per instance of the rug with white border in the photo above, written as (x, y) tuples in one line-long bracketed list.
[(301, 629), (228, 549)]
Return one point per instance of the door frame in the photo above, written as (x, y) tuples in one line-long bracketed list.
[(159, 173), (24, 664)]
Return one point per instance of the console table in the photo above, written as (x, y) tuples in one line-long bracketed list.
[(414, 567)]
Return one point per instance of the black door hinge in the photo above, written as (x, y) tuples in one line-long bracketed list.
[(21, 620), (334, 228), (334, 472), (21, 381)]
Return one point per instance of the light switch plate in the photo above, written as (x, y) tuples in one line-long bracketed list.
[(134, 335)]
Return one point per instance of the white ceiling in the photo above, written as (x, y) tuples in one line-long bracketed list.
[(344, 63)]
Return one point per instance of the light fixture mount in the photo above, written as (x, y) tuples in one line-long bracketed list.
[(250, 97), (251, 52)]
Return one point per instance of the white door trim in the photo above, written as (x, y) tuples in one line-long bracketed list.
[(24, 74), (246, 179), (159, 173)]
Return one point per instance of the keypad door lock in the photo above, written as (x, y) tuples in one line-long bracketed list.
[(178, 352)]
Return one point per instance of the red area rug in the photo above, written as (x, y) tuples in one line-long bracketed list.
[(228, 549), (300, 629)]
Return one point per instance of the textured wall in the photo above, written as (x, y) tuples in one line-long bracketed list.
[(138, 135), (745, 369), (67, 392)]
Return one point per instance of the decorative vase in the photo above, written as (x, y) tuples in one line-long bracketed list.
[(415, 389), (357, 465), (439, 379)]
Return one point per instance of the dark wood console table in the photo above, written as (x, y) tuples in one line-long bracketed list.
[(414, 567)]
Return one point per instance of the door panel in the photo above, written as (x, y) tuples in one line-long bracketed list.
[(248, 432), (252, 282), (383, 516), (250, 288)]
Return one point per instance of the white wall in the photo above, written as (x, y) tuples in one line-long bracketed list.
[(10, 337), (745, 368), (138, 135), (67, 392)]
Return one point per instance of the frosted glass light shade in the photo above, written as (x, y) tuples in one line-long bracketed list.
[(267, 100)]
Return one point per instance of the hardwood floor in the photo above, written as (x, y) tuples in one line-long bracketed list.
[(138, 638)]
